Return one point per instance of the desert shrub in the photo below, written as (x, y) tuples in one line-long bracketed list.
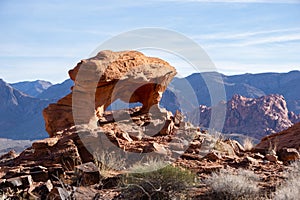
[(290, 188), (150, 164), (163, 183), (108, 162), (229, 185), (248, 144)]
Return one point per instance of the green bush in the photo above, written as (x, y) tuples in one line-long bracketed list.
[(160, 184)]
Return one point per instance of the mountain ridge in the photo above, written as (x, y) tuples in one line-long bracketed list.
[(247, 85), (20, 116), (32, 88), (255, 117)]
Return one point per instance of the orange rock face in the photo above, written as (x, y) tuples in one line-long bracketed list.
[(289, 138), (99, 81)]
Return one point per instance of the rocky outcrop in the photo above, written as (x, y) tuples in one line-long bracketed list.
[(256, 117), (129, 76), (289, 138), (62, 167)]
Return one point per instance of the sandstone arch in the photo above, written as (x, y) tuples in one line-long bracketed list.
[(127, 75)]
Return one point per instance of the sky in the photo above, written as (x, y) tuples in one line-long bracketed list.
[(44, 39)]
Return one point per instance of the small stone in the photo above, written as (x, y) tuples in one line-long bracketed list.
[(59, 193), (43, 190), (212, 156), (251, 160), (19, 182), (288, 154), (176, 146), (271, 157), (160, 149), (178, 118), (258, 156)]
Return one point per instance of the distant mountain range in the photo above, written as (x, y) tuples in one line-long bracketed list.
[(57, 91), (32, 88), (247, 85), (20, 116), (21, 104)]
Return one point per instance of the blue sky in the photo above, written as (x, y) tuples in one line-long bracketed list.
[(44, 39)]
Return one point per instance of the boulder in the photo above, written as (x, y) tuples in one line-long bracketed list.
[(88, 174), (58, 193), (19, 182), (271, 158), (43, 189), (45, 143), (128, 75), (288, 154)]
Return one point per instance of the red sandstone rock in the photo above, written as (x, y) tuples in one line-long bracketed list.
[(255, 117), (128, 75), (289, 138)]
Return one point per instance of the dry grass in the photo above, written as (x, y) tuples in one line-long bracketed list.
[(228, 185), (248, 144), (108, 162), (290, 189)]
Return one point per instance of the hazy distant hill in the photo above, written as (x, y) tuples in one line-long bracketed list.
[(57, 91), (32, 88), (20, 114)]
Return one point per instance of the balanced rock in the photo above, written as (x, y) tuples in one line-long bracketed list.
[(99, 81)]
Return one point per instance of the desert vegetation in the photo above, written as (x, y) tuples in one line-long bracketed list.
[(290, 188), (156, 180)]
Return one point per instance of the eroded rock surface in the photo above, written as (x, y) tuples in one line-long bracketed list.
[(289, 138), (100, 80), (256, 117)]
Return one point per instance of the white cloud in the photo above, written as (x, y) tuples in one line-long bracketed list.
[(242, 35), (273, 39), (233, 68), (240, 39)]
